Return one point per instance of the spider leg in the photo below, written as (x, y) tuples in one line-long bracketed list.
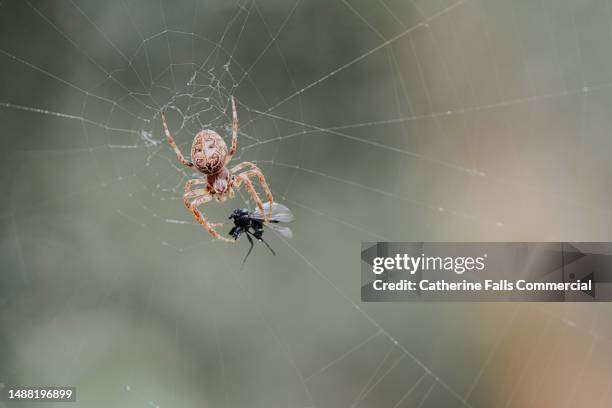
[(201, 196), (190, 194), (242, 178), (250, 249), (172, 144), (256, 172), (192, 182), (234, 144), (243, 165)]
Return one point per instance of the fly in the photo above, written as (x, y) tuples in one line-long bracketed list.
[(252, 224)]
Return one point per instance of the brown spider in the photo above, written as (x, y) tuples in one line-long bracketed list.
[(210, 157)]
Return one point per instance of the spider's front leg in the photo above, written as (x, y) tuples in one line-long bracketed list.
[(172, 144), (199, 197), (192, 182), (256, 172), (190, 194), (243, 178)]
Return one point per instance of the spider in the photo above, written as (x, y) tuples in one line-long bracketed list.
[(210, 157)]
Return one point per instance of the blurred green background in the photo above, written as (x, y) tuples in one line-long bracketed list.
[(423, 120)]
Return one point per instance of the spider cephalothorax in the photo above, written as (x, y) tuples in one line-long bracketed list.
[(209, 155)]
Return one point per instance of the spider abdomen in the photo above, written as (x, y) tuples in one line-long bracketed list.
[(208, 152)]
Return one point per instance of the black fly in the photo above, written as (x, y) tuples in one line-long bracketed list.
[(252, 224)]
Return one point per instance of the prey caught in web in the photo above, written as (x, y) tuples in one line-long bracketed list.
[(251, 223)]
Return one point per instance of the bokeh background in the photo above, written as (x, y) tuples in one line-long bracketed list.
[(422, 120)]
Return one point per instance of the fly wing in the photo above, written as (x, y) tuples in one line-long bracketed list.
[(282, 230), (280, 213)]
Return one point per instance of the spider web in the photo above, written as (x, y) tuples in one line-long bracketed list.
[(443, 120)]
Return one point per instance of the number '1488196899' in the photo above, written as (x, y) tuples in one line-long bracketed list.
[(49, 394)]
